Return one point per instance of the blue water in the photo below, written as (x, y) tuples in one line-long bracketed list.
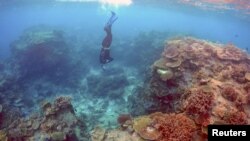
[(89, 18)]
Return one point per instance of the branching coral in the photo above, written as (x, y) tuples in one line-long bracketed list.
[(238, 75), (173, 127), (237, 118), (199, 106), (229, 93)]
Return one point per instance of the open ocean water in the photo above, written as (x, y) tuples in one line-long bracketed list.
[(164, 56)]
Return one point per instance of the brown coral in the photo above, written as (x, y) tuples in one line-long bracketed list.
[(174, 63), (142, 126), (160, 64), (3, 136), (171, 52), (230, 52)]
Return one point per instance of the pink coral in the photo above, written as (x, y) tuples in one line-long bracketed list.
[(237, 118), (229, 93), (199, 106), (173, 127)]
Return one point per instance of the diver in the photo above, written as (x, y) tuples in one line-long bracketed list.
[(105, 50)]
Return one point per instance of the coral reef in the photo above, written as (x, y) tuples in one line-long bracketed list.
[(235, 117), (153, 127), (198, 105), (208, 83), (192, 84), (42, 53), (58, 122), (229, 93), (173, 126)]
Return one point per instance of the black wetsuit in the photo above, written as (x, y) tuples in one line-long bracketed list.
[(105, 50)]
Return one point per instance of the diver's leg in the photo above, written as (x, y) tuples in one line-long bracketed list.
[(112, 19), (108, 58), (107, 41)]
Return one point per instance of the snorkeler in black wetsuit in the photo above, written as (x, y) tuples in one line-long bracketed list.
[(105, 51)]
